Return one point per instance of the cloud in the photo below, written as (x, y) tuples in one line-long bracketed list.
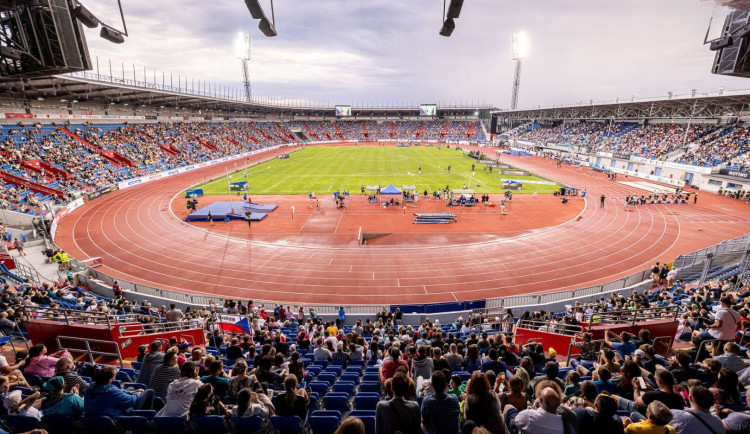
[(389, 51)]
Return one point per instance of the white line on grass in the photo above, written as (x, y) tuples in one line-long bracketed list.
[(269, 188)]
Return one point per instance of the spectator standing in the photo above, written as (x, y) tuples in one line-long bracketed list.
[(388, 370)]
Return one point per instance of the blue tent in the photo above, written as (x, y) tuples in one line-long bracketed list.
[(390, 190)]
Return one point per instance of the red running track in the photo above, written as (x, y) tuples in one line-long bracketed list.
[(140, 240)]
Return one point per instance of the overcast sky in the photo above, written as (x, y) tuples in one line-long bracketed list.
[(380, 51)]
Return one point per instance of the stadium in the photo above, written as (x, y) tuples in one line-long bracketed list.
[(190, 255)]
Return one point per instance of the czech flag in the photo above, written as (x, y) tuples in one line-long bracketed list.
[(234, 324)]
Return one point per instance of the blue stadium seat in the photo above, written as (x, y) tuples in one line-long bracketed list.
[(98, 424), (366, 401), (323, 424), (247, 425), (135, 424), (319, 387), (367, 417), (210, 424), (59, 424), (370, 386), (350, 376), (21, 424), (340, 403), (287, 425), (344, 386), (329, 377), (171, 424)]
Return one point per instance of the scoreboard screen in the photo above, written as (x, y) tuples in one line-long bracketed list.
[(428, 110), (343, 110)]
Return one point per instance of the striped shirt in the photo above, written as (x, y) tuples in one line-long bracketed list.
[(161, 378)]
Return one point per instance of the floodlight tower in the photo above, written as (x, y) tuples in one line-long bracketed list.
[(519, 53), (245, 58)]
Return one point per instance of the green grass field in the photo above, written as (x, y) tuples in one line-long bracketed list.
[(327, 169)]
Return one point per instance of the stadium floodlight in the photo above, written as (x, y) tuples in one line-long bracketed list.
[(448, 26), (520, 46), (454, 10), (112, 35), (85, 16), (520, 51)]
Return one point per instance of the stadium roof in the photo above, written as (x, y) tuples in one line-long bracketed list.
[(695, 106), (106, 90)]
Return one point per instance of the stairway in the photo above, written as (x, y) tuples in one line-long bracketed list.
[(39, 165), (113, 157), (33, 186), (310, 132), (470, 134), (420, 131), (338, 132), (445, 130)]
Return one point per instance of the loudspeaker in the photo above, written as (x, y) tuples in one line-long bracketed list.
[(454, 10), (733, 49), (448, 26), (255, 9), (85, 16), (724, 42), (267, 27), (112, 35)]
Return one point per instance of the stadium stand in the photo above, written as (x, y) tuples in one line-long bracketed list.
[(676, 350), (701, 145)]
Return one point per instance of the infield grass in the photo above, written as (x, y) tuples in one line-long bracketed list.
[(326, 169)]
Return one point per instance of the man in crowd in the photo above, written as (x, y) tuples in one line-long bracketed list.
[(440, 411)]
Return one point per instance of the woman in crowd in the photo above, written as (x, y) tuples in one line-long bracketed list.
[(726, 389), (206, 403), (249, 405), (293, 402), (472, 361), (40, 363), (239, 380), (482, 406)]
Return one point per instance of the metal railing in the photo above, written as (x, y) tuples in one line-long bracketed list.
[(634, 316), (598, 344), (138, 329), (547, 326), (88, 351), (725, 252)]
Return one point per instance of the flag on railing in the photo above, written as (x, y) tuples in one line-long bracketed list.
[(233, 323)]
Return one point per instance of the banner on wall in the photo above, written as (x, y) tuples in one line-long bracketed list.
[(744, 176), (19, 116), (72, 206)]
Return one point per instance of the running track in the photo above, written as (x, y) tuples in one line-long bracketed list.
[(138, 239)]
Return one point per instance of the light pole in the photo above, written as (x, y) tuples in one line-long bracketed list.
[(520, 48)]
